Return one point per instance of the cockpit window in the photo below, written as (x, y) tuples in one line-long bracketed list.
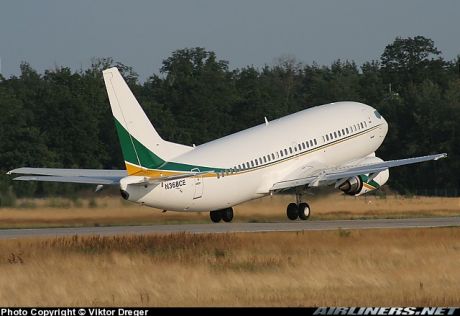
[(377, 114)]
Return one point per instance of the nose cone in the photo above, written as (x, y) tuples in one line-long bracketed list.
[(384, 127)]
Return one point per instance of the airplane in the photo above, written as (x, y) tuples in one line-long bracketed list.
[(331, 144)]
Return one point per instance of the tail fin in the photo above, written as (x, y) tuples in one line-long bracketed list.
[(141, 144)]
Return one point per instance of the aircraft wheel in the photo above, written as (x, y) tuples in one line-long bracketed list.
[(304, 211), (292, 211), (216, 216), (227, 214)]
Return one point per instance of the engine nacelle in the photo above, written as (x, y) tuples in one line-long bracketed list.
[(358, 185)]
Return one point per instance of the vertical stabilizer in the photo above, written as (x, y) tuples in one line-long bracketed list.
[(141, 144)]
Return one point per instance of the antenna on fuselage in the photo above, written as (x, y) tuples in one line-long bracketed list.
[(266, 121)]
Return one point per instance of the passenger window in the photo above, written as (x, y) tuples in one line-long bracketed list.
[(290, 150), (311, 143), (343, 132), (252, 163), (335, 134), (315, 141), (300, 147), (260, 160), (265, 159), (273, 156), (362, 126), (331, 136), (308, 146), (303, 146), (339, 133), (281, 153), (346, 130), (327, 137), (285, 151)]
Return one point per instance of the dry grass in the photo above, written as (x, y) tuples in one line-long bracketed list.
[(419, 267), (115, 211)]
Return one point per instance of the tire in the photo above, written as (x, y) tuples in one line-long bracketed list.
[(304, 211), (215, 216), (227, 214), (292, 211)]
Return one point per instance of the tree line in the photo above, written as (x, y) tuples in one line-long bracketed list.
[(62, 118)]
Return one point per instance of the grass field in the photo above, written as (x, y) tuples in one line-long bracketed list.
[(115, 211), (409, 267)]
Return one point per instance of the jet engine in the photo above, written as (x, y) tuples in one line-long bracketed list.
[(358, 185)]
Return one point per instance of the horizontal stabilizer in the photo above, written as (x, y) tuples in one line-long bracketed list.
[(149, 180), (69, 172), (86, 180), (90, 176)]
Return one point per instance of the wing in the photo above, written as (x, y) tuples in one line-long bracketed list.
[(90, 176), (324, 175)]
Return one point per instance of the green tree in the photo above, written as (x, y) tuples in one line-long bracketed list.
[(411, 60), (198, 90)]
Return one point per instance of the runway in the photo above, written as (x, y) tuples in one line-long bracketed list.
[(234, 227)]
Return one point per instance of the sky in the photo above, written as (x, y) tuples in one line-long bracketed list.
[(141, 34)]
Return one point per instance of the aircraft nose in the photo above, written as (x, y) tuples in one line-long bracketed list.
[(384, 127)]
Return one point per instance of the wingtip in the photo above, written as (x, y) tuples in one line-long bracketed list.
[(440, 156)]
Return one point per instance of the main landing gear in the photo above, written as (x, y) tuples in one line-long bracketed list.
[(298, 210), (226, 215)]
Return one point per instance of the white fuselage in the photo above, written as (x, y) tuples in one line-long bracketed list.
[(256, 158)]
